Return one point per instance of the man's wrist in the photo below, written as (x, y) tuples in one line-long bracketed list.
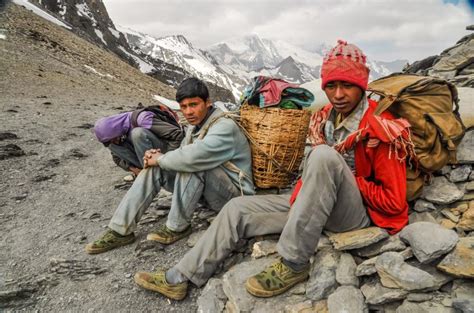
[(157, 159)]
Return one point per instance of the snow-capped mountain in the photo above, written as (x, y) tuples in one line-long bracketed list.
[(256, 56), (178, 51)]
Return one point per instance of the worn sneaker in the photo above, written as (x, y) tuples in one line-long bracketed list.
[(274, 280), (110, 240), (157, 282), (166, 236)]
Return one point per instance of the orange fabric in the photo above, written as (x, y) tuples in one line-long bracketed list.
[(380, 168)]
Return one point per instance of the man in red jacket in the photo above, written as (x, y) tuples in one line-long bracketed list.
[(354, 175)]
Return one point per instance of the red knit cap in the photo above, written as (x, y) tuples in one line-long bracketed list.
[(345, 62)]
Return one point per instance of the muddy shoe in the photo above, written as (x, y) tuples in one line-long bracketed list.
[(166, 236), (110, 240), (157, 282), (274, 280)]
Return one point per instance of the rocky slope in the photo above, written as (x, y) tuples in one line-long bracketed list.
[(89, 19), (59, 186)]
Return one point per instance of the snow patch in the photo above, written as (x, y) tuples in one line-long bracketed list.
[(62, 7), (93, 70), (145, 67), (2, 36), (83, 10), (39, 12), (168, 102), (114, 32), (100, 35)]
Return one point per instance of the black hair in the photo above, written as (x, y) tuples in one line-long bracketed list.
[(190, 88)]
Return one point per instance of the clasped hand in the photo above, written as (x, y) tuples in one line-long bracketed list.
[(150, 157)]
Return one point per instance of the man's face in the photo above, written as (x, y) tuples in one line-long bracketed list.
[(344, 96), (194, 109)]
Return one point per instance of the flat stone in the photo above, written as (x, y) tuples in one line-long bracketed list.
[(442, 191), (323, 243), (212, 298), (264, 248), (357, 238), (423, 206), (416, 217), (298, 307), (345, 271), (449, 214), (395, 273), (465, 150), (462, 295), (375, 293), (460, 262), (233, 282), (440, 278), (299, 289), (445, 170), (447, 223), (368, 266), (419, 297), (392, 243), (423, 307), (347, 299), (318, 307), (470, 186), (205, 214), (429, 241), (322, 279), (460, 173), (461, 208), (467, 220), (468, 196), (194, 237)]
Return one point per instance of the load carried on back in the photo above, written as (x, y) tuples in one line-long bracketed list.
[(276, 125), (431, 107)]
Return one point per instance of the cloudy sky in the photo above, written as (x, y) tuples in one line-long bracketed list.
[(385, 29)]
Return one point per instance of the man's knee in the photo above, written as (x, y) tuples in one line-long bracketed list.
[(323, 154), (139, 134), (232, 210)]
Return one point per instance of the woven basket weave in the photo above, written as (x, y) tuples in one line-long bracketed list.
[(277, 139)]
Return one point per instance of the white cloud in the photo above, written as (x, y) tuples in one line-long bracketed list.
[(384, 29)]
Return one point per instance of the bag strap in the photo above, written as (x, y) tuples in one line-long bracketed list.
[(134, 117), (228, 165)]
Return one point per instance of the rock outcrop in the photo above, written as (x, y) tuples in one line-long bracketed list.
[(455, 64)]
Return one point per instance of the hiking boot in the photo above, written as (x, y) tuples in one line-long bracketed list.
[(110, 240), (157, 282), (274, 280), (166, 236)]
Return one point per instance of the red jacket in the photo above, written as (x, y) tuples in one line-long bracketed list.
[(380, 174)]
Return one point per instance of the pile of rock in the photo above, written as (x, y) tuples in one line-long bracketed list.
[(454, 64), (428, 266)]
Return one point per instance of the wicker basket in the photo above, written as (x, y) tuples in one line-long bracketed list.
[(277, 139)]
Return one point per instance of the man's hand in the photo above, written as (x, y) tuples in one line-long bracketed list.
[(150, 157)]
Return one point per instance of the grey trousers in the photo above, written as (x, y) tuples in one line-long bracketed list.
[(329, 199), (133, 148), (213, 185)]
